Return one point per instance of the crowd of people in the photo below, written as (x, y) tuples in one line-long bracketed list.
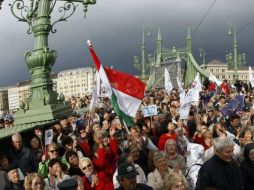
[(93, 150)]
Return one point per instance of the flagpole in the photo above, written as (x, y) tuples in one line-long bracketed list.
[(42, 147), (125, 126)]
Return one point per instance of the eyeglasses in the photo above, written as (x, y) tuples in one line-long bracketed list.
[(81, 132), (52, 151), (88, 166)]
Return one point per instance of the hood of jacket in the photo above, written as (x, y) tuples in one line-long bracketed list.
[(247, 150)]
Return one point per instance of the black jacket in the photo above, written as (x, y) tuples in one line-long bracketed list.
[(219, 174), (4, 182), (24, 159), (19, 186), (247, 169)]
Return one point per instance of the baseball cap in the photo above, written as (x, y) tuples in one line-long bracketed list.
[(126, 170), (11, 167)]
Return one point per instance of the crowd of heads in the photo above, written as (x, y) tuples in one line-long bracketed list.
[(93, 149)]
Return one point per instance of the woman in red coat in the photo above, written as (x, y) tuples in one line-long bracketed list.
[(94, 180), (105, 153), (170, 135)]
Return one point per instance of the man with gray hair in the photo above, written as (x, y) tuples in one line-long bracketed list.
[(220, 171), (21, 155)]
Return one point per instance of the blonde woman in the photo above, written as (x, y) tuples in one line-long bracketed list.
[(155, 179), (174, 181), (93, 179), (175, 160), (34, 181)]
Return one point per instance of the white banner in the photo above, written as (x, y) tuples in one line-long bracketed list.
[(48, 136), (150, 110), (251, 78), (168, 84)]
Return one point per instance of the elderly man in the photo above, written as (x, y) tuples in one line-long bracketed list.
[(220, 171), (21, 155)]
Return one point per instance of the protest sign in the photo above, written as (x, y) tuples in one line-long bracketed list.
[(48, 136), (150, 110)]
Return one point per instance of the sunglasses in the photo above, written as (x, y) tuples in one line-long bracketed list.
[(52, 151), (88, 166), (82, 132)]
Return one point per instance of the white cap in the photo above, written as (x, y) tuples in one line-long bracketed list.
[(89, 43)]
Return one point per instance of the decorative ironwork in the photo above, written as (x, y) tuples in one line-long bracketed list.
[(28, 14), (42, 105), (68, 6)]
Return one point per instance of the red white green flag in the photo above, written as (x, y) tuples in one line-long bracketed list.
[(125, 91)]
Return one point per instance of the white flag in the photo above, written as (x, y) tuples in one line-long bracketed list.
[(197, 82), (98, 84), (251, 78), (95, 93), (48, 136), (196, 88), (168, 84), (184, 111), (214, 79), (179, 84)]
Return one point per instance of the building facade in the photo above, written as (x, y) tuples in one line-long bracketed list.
[(222, 71), (53, 76), (4, 107), (13, 99), (21, 92), (76, 82)]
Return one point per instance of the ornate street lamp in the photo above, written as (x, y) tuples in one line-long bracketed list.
[(235, 57), (202, 54), (238, 59), (43, 104), (143, 65)]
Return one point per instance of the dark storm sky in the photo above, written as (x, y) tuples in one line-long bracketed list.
[(115, 28)]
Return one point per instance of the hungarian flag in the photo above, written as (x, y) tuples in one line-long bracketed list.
[(125, 91)]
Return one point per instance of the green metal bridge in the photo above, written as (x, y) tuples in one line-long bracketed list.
[(152, 69)]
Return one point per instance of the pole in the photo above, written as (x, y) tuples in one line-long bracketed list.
[(235, 56)]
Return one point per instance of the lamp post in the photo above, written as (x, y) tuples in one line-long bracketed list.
[(235, 56), (202, 54), (143, 65), (43, 104)]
